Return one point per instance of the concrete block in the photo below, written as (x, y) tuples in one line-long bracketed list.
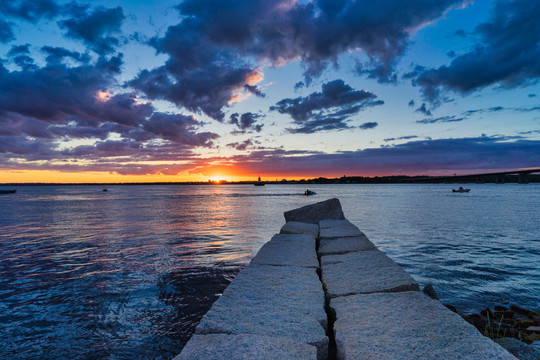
[(288, 250), (295, 227), (277, 301), (519, 349), (363, 272), (345, 245), (245, 347), (406, 325), (339, 232), (329, 209), (328, 223)]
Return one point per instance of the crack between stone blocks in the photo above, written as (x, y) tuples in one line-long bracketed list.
[(330, 314)]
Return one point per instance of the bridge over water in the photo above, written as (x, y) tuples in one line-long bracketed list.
[(481, 177)]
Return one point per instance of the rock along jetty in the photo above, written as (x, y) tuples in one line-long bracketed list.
[(320, 289)]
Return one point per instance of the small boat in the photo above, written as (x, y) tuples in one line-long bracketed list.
[(8, 191), (309, 192), (461, 190), (259, 182), (105, 190)]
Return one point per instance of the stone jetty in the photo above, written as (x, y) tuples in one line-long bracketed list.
[(321, 290)]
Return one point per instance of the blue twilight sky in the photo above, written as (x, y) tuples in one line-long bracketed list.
[(209, 88)]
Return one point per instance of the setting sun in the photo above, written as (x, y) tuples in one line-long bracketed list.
[(219, 178)]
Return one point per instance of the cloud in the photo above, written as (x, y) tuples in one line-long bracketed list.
[(494, 109), (527, 108), (56, 92), (531, 95), (241, 145), (530, 132), (216, 50), (506, 54), (206, 89), (442, 119), (406, 137), (322, 123), (95, 27), (423, 110), (421, 157), (30, 11), (484, 110), (178, 129), (57, 54), (6, 32), (43, 109), (246, 121), (329, 109), (368, 125), (19, 50), (460, 33)]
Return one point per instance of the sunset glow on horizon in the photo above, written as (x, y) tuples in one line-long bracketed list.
[(138, 91)]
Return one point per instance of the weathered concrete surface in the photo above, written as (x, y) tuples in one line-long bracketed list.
[(406, 325), (339, 232), (328, 223), (245, 347), (277, 301), (329, 209), (295, 227), (345, 245), (363, 272), (288, 250)]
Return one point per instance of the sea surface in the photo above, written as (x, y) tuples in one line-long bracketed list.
[(128, 273)]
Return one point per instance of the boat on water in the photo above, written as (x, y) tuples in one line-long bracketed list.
[(104, 190), (309, 192), (461, 190), (8, 191), (258, 182)]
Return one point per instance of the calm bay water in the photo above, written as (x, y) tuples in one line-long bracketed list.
[(128, 273)]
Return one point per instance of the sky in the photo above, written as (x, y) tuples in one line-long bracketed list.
[(136, 91)]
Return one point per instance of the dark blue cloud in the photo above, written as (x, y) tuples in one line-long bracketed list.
[(20, 55), (484, 110), (241, 146), (507, 54), (529, 132), (6, 32), (55, 55), (322, 123), (413, 158), (19, 50), (55, 92), (406, 137), (41, 107), (368, 125), (179, 129), (206, 89), (423, 110), (329, 109), (216, 48), (442, 119), (246, 121), (95, 28), (29, 10)]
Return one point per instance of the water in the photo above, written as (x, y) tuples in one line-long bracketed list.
[(128, 273)]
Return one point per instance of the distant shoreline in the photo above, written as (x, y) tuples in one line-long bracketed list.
[(394, 179)]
